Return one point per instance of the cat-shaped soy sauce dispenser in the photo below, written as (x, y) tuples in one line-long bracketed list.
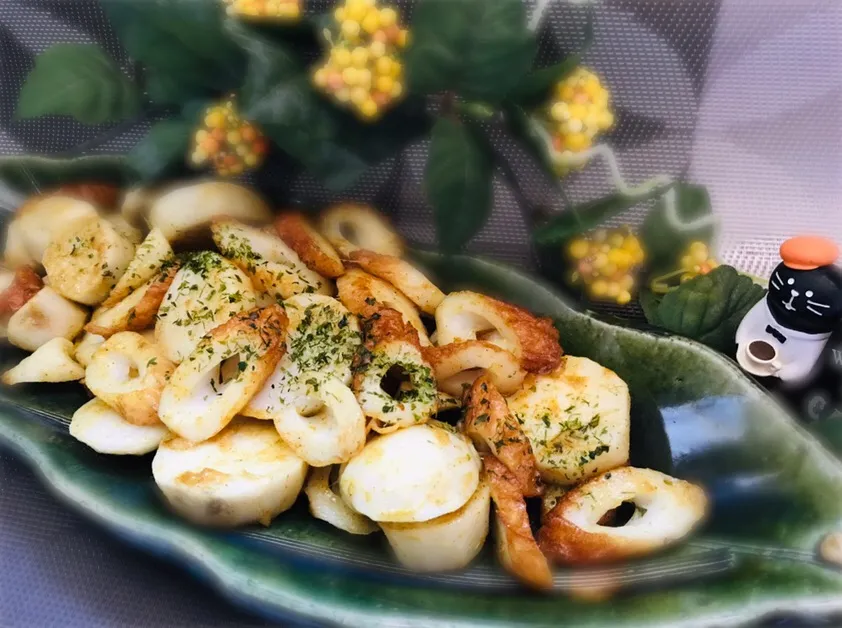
[(784, 334)]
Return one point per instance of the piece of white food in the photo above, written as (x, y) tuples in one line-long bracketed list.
[(51, 363), (445, 543), (86, 258), (244, 474), (412, 475), (102, 429), (186, 212), (45, 316)]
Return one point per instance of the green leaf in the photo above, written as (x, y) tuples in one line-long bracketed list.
[(194, 111), (181, 39), (270, 63), (166, 87), (587, 216), (708, 308), (458, 181), (649, 302), (278, 96), (169, 89), (163, 151), (301, 125), (78, 80), (534, 89), (305, 36), (477, 48), (331, 144), (405, 123), (663, 239)]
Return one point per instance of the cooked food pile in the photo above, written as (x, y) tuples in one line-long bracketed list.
[(261, 356)]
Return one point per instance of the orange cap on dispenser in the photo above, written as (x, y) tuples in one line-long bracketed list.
[(808, 252)]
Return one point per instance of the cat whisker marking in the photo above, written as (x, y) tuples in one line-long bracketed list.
[(818, 304), (816, 312)]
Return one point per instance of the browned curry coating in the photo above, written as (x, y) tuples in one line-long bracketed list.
[(354, 293), (491, 427), (297, 233), (538, 337), (103, 195), (402, 275), (25, 285), (468, 359), (268, 323), (517, 548), (141, 316), (565, 542), (380, 324), (139, 405)]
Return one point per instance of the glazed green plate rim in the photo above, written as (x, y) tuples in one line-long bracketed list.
[(183, 549), (186, 548)]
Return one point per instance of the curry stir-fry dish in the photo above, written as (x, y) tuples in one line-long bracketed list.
[(261, 355)]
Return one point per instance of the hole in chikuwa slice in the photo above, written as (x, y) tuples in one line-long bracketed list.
[(348, 232), (619, 516), (395, 382), (227, 371)]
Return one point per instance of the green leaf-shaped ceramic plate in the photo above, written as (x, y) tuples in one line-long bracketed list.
[(776, 492)]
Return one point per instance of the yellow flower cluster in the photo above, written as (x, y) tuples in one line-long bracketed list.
[(363, 70), (281, 10), (577, 114), (696, 261), (226, 142), (606, 262)]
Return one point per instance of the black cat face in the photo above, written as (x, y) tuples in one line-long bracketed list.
[(809, 301)]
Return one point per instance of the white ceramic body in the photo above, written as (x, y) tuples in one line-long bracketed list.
[(796, 357)]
